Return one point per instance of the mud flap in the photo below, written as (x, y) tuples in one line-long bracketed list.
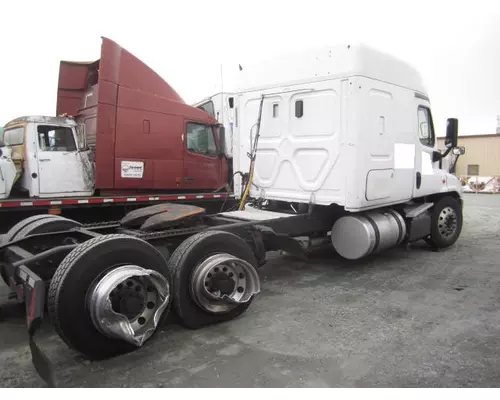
[(275, 241), (33, 290), (40, 361)]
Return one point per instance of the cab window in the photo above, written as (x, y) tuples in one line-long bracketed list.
[(208, 107), (200, 139), (14, 136), (56, 138), (425, 128)]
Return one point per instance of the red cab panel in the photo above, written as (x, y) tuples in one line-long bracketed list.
[(133, 117)]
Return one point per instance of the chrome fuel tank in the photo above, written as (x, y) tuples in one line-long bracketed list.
[(358, 235)]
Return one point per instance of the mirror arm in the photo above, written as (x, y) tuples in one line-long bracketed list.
[(454, 165), (446, 152), (436, 156)]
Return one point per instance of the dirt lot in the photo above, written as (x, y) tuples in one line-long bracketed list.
[(403, 318)]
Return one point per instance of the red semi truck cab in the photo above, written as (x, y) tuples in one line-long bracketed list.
[(145, 137)]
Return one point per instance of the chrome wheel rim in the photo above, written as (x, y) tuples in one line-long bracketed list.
[(222, 282), (127, 303), (447, 222)]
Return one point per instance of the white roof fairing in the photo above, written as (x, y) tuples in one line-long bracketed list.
[(342, 61), (41, 119)]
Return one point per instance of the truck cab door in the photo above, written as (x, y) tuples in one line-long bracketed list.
[(7, 173), (429, 178), (202, 164), (62, 169)]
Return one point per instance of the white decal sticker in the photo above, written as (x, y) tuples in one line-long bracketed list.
[(426, 164), (132, 169), (404, 156)]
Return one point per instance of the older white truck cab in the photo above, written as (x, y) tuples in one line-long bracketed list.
[(49, 156)]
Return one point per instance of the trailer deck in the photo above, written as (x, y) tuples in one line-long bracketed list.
[(18, 203), (101, 208)]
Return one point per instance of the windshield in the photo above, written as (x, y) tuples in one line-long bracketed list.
[(200, 139), (1, 136)]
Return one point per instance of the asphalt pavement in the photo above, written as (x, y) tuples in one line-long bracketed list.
[(404, 318)]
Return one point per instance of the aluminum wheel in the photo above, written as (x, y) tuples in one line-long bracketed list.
[(127, 303), (447, 223), (222, 282)]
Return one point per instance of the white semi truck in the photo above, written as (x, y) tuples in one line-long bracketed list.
[(336, 146)]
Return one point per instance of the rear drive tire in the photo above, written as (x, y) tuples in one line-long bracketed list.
[(446, 223), (46, 225), (38, 224), (184, 260), (11, 234), (69, 291)]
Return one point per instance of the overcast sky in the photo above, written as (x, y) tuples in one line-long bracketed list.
[(455, 45)]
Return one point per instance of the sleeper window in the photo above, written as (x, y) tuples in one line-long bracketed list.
[(56, 138), (200, 139), (276, 110), (299, 108)]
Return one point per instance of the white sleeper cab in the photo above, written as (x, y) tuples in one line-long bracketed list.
[(351, 127)]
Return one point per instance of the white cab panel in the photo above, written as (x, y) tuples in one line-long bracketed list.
[(338, 127), (55, 167), (7, 173), (299, 143)]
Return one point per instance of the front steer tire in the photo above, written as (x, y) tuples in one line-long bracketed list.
[(446, 210)]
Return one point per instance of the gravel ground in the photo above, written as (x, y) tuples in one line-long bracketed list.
[(401, 319)]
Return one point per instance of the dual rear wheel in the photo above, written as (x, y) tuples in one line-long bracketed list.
[(42, 223), (111, 293)]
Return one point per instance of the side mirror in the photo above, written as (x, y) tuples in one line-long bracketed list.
[(451, 140), (458, 151), (222, 140), (230, 100)]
